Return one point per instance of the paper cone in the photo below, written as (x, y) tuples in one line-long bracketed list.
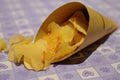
[(98, 25)]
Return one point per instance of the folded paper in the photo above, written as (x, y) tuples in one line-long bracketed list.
[(98, 25)]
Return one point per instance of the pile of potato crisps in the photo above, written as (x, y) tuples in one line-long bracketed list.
[(56, 42)]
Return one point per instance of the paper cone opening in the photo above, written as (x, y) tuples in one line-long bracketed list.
[(98, 25)]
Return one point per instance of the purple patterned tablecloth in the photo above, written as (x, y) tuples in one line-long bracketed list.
[(100, 61)]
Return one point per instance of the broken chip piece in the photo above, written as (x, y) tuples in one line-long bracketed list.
[(16, 38), (79, 21), (3, 44)]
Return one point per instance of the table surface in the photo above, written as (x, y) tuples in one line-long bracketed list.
[(100, 61)]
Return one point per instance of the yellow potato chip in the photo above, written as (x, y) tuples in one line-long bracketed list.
[(14, 55), (53, 42), (41, 44), (11, 55), (42, 33), (27, 63), (53, 27), (18, 56), (78, 36), (65, 50), (80, 22), (16, 38), (35, 53), (67, 32), (3, 44)]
